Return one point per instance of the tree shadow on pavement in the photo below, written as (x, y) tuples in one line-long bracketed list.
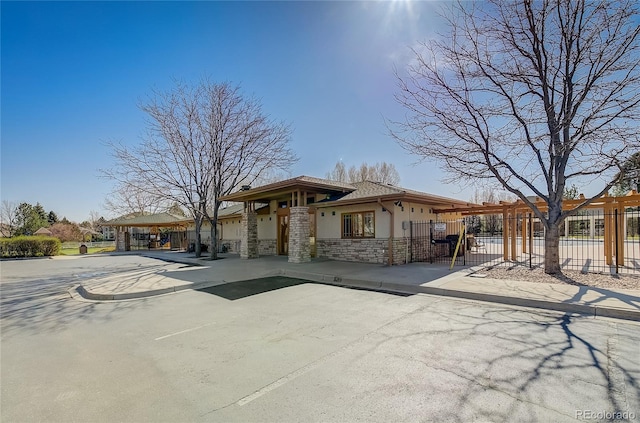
[(529, 368), (603, 294), (32, 311)]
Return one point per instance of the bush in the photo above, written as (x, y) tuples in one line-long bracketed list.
[(29, 246)]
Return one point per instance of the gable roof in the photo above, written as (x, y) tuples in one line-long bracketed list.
[(43, 231), (308, 184), (341, 193), (167, 219), (158, 219), (235, 210), (369, 191)]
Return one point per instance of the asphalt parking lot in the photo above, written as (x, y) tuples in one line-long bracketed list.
[(286, 350)]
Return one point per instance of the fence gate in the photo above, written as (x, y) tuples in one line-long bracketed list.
[(435, 242)]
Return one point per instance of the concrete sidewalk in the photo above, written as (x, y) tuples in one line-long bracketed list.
[(414, 278)]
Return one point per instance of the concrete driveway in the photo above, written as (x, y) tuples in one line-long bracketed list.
[(300, 352)]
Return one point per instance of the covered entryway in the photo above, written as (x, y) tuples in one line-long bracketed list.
[(292, 202), (283, 232)]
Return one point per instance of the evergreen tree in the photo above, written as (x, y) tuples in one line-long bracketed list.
[(52, 218)]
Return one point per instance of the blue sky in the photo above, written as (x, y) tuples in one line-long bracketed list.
[(74, 73)]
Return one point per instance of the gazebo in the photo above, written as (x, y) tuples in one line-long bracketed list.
[(164, 230)]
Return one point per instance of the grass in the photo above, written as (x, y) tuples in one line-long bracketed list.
[(91, 250)]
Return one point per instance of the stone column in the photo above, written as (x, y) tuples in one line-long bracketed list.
[(249, 236), (120, 239), (299, 232)]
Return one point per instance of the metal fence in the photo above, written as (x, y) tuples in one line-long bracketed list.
[(97, 244), (582, 242), (436, 242)]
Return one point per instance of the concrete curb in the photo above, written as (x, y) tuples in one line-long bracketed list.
[(585, 309), (88, 295), (392, 287)]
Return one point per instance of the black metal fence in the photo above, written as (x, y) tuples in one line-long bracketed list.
[(582, 241), (436, 242)]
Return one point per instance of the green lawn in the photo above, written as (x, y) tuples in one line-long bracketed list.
[(91, 250)]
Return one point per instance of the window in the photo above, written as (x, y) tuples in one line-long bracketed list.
[(358, 225)]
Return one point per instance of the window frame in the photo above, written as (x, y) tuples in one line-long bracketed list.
[(353, 234)]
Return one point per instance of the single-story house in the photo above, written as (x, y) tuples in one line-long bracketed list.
[(43, 232), (307, 217)]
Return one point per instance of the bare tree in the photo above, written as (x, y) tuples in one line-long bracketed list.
[(530, 93), (630, 176), (203, 140), (127, 199), (491, 223), (339, 172), (384, 172), (358, 174), (9, 216), (94, 220)]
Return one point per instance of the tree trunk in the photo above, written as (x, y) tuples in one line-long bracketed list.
[(213, 255), (552, 242), (213, 221), (198, 250)]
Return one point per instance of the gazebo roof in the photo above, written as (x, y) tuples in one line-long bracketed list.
[(159, 219)]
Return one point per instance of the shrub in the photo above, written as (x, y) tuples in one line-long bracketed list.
[(29, 246)]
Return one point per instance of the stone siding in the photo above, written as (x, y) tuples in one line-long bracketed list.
[(249, 230), (233, 245), (267, 247), (373, 250), (299, 232), (120, 241)]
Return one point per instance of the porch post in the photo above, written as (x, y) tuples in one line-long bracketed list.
[(505, 234), (121, 243), (514, 234), (299, 233), (524, 232), (249, 235)]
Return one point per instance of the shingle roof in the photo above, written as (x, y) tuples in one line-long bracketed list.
[(234, 210), (158, 219), (167, 219), (329, 182), (369, 190), (231, 210), (308, 183)]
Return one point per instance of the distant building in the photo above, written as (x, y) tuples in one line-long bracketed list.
[(43, 232)]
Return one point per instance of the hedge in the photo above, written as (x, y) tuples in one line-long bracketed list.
[(29, 246)]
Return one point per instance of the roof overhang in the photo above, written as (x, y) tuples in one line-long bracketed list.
[(432, 201), (282, 189), (154, 220)]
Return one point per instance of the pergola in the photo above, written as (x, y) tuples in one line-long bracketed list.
[(153, 221), (613, 208)]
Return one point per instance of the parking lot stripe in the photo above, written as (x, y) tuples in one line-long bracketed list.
[(183, 331)]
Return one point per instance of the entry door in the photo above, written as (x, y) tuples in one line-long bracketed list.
[(283, 234)]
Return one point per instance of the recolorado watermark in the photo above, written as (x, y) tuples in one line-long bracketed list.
[(605, 415)]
